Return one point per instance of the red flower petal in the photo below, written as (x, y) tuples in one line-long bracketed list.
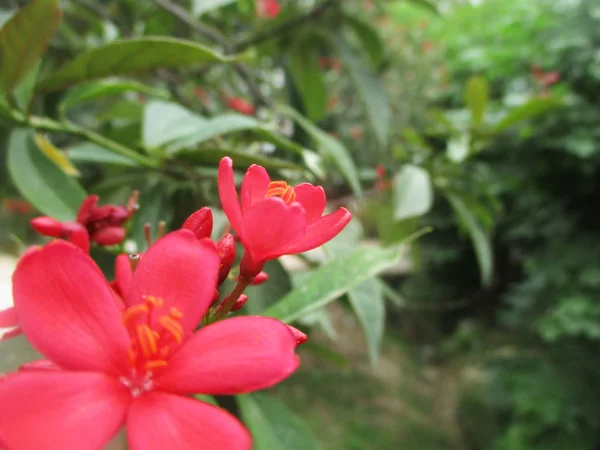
[(271, 225), (60, 410), (9, 318), (77, 234), (182, 271), (17, 331), (123, 276), (312, 199), (47, 226), (40, 365), (254, 186), (321, 231), (86, 208), (200, 223), (235, 356), (109, 236), (66, 309), (160, 421), (228, 194)]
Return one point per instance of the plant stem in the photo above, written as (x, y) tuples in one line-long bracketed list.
[(239, 289)]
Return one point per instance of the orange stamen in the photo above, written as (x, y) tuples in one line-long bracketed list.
[(173, 327), (133, 312), (147, 340), (282, 190), (156, 364)]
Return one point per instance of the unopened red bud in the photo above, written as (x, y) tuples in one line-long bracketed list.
[(47, 226), (86, 208), (250, 269), (118, 216), (109, 236), (200, 223), (260, 278), (239, 303), (75, 232), (226, 248), (301, 338)]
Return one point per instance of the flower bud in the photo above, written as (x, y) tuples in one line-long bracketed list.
[(250, 269), (260, 278), (47, 226), (226, 248), (200, 223), (87, 207), (301, 338), (75, 233), (240, 302), (240, 105), (109, 236)]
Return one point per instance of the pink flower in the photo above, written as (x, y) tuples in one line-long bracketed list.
[(268, 9), (107, 369), (101, 224), (275, 219)]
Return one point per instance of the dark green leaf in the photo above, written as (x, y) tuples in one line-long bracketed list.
[(155, 205), (24, 39), (304, 64), (367, 302), (23, 93), (476, 98), (212, 156), (94, 153), (332, 280), (370, 90), (329, 146), (41, 182), (412, 192), (104, 88), (530, 110), (368, 35), (129, 56), (264, 295), (273, 425), (481, 242)]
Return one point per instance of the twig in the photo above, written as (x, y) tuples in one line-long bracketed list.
[(284, 27)]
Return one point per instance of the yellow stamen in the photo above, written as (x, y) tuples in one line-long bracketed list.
[(147, 340), (173, 327), (175, 313), (134, 311)]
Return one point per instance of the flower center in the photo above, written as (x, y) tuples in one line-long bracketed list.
[(151, 341), (282, 190)]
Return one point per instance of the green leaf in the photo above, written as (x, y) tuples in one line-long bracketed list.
[(304, 65), (88, 152), (23, 93), (24, 39), (212, 156), (165, 122), (104, 88), (155, 205), (41, 182), (412, 192), (332, 280), (200, 7), (369, 37), (371, 92), (530, 110), (476, 98), (367, 302), (207, 399), (329, 146), (272, 425), (266, 294), (129, 56), (480, 240)]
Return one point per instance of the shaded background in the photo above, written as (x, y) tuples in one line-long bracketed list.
[(479, 119)]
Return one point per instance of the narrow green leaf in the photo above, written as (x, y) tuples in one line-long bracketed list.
[(273, 426), (369, 37), (88, 152), (165, 122), (266, 294), (207, 399), (129, 56), (329, 146), (370, 90), (155, 205), (23, 92), (24, 39), (332, 280), (41, 182), (304, 65), (412, 192), (530, 110), (212, 156), (367, 302), (476, 98), (104, 88), (480, 240), (200, 7)]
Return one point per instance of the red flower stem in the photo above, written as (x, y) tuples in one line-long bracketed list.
[(239, 289)]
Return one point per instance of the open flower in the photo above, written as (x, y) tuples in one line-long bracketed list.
[(107, 368), (100, 224), (274, 218)]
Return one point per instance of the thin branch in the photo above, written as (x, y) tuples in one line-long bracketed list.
[(284, 27)]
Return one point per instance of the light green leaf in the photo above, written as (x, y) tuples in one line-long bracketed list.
[(212, 156), (457, 148), (166, 122), (412, 192), (332, 280), (367, 302), (273, 426), (129, 56), (24, 39), (480, 240), (527, 111), (200, 7), (104, 88), (94, 153), (370, 90), (369, 37), (304, 65), (476, 98), (329, 146), (41, 182)]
